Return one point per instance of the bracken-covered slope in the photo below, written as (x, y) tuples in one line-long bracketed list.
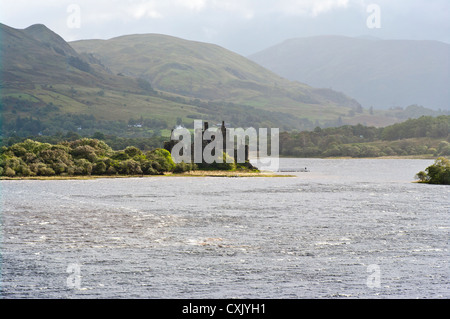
[(38, 56), (206, 71), (44, 80)]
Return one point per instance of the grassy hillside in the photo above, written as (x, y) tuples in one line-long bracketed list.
[(142, 86), (47, 87), (378, 73), (209, 72)]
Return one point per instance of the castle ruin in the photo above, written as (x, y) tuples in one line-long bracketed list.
[(225, 138)]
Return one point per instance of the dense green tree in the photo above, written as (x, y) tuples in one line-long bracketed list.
[(132, 151), (99, 168), (84, 152), (438, 173)]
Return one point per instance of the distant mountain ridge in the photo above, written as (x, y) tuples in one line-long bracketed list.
[(378, 73)]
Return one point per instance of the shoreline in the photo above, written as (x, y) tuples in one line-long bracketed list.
[(400, 157), (228, 174), (418, 157), (207, 173)]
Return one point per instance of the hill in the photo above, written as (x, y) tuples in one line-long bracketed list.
[(144, 85), (378, 73), (37, 55), (209, 72), (48, 88)]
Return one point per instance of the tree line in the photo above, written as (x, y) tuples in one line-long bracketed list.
[(115, 142), (111, 154), (425, 135), (90, 156), (83, 157)]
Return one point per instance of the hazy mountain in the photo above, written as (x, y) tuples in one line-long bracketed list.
[(378, 73)]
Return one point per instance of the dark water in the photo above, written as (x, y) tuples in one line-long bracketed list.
[(346, 229)]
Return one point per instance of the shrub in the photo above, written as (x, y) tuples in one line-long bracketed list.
[(33, 146), (164, 158), (184, 167), (18, 150), (59, 168), (99, 168), (54, 155), (130, 167), (9, 172), (120, 156), (30, 158), (100, 148), (42, 170), (422, 176), (24, 170), (12, 162), (84, 152), (111, 171), (132, 151), (83, 167)]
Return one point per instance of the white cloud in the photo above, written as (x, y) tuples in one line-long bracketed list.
[(309, 7), (143, 10), (243, 8), (242, 23), (139, 9), (194, 5)]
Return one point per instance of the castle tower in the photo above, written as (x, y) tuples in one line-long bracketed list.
[(224, 136)]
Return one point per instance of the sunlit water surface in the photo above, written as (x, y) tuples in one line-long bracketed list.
[(345, 229)]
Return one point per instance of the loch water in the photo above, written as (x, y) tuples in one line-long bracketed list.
[(347, 228)]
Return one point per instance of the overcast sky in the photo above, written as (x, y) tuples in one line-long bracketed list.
[(243, 26)]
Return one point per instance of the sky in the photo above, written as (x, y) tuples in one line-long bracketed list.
[(243, 26)]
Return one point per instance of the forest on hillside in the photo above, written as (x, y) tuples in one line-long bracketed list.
[(423, 136)]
